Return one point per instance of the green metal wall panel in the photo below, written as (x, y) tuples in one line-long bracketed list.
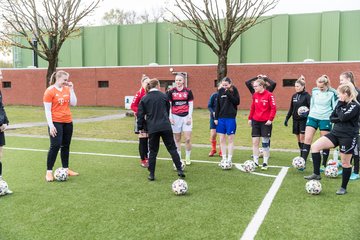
[(330, 24), (111, 50), (304, 37), (149, 43), (94, 46), (328, 36), (349, 36), (280, 38), (130, 45), (256, 43)]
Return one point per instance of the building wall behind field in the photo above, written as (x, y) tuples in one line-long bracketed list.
[(28, 85)]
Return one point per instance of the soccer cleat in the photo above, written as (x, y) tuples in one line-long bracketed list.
[(181, 174), (220, 154), (144, 163), (212, 153), (72, 173), (256, 164), (340, 172), (354, 176), (322, 169), (49, 177), (313, 177), (264, 167), (187, 160), (341, 191), (151, 177), (301, 169), (8, 191)]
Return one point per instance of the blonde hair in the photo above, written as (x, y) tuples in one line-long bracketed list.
[(301, 81), (349, 90), (56, 75), (324, 79), (349, 75), (261, 82)]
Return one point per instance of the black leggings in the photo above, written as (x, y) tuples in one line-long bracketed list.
[(61, 141)]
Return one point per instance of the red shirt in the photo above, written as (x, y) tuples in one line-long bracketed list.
[(180, 101), (263, 107), (136, 100)]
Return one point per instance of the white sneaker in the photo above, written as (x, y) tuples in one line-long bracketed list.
[(187, 160), (8, 191)]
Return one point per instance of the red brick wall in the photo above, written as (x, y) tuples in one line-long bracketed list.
[(28, 85)]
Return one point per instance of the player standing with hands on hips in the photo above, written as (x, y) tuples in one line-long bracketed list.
[(4, 122), (57, 100)]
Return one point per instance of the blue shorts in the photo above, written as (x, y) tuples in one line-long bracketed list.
[(323, 125), (226, 126)]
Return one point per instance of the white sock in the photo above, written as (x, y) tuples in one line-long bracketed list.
[(49, 171), (188, 153), (256, 159), (229, 157), (266, 159), (179, 152)]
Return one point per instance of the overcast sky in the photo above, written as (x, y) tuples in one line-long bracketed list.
[(284, 6)]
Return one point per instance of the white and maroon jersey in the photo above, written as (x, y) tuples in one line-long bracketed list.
[(180, 101)]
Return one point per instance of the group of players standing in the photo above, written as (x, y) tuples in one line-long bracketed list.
[(334, 112)]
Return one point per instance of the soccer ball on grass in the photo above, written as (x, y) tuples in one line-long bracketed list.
[(298, 162), (313, 187), (179, 187), (225, 165), (61, 174), (331, 171), (3, 187), (249, 166)]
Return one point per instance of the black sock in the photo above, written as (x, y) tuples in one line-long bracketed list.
[(0, 169), (143, 148), (300, 144), (305, 151), (356, 164), (316, 162), (325, 154), (345, 177)]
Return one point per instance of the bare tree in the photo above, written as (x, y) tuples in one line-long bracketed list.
[(122, 17), (216, 26), (44, 24)]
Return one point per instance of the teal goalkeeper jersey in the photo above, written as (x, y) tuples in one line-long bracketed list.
[(322, 103)]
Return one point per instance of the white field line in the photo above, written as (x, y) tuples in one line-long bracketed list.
[(260, 214), (253, 227)]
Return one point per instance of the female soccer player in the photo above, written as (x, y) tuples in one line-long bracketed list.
[(346, 77), (154, 106), (181, 100), (270, 85), (344, 134), (4, 122), (212, 106), (261, 116), (322, 103), (299, 99), (225, 117), (143, 136), (57, 100)]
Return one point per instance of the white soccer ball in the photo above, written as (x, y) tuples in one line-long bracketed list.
[(182, 166), (303, 111), (331, 171), (61, 174), (298, 162), (179, 187), (249, 166), (3, 187), (313, 187), (226, 165)]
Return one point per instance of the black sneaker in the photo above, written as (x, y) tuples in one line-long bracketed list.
[(181, 174), (313, 177), (341, 191), (151, 177)]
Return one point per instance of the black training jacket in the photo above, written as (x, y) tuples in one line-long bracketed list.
[(345, 118), (297, 100)]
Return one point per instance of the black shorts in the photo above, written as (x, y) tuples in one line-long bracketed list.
[(2, 139), (346, 144), (299, 126), (136, 130), (259, 129)]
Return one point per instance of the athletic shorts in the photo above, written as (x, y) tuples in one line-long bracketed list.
[(259, 129), (299, 126), (323, 125), (180, 124), (212, 124), (226, 126), (136, 130), (346, 144)]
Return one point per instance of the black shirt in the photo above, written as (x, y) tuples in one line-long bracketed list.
[(227, 102), (298, 100), (345, 118)]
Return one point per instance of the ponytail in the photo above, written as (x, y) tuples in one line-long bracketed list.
[(56, 75)]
